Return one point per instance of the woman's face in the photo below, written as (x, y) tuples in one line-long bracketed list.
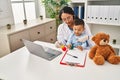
[(67, 18)]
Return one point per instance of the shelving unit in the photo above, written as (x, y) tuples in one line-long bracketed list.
[(106, 24), (104, 12)]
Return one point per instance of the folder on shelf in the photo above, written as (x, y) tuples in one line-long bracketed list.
[(95, 13), (111, 14), (114, 12), (89, 14), (76, 10), (81, 12), (119, 16), (104, 11), (74, 58)]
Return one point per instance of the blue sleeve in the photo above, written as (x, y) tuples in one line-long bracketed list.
[(84, 44)]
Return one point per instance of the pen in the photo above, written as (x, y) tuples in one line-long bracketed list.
[(72, 64), (72, 55)]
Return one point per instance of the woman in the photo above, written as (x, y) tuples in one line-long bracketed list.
[(66, 28)]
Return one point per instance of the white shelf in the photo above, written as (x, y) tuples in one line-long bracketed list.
[(102, 23), (95, 0), (116, 46), (78, 1)]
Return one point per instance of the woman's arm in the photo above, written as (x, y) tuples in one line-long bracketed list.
[(63, 33), (60, 34)]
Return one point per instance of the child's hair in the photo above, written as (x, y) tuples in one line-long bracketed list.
[(79, 22)]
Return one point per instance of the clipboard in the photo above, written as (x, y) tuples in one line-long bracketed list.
[(74, 57)]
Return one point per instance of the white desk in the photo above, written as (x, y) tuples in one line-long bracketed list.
[(21, 65)]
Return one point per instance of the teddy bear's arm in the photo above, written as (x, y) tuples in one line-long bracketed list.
[(92, 52), (112, 49)]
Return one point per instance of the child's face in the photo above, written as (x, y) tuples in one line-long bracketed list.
[(78, 29)]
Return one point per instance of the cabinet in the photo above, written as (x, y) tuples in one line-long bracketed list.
[(37, 32), (50, 32), (43, 30), (102, 16), (51, 37), (49, 29), (15, 40)]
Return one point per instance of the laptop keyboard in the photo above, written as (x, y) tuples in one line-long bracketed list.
[(50, 55)]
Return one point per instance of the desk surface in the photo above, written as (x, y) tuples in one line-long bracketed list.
[(21, 65)]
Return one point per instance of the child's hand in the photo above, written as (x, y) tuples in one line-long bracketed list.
[(69, 46), (83, 38), (80, 48)]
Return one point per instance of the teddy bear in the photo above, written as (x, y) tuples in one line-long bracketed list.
[(102, 51)]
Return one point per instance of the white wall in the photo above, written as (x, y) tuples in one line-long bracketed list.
[(6, 16), (42, 9)]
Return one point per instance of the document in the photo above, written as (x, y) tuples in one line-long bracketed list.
[(74, 57)]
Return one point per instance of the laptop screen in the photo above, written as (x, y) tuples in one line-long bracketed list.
[(39, 50)]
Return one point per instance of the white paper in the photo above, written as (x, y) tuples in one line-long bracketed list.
[(81, 55)]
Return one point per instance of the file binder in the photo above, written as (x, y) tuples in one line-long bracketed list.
[(74, 57), (119, 16), (76, 10), (114, 14), (81, 12), (95, 13), (89, 13), (104, 11)]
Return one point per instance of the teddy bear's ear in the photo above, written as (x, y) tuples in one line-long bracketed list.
[(93, 38)]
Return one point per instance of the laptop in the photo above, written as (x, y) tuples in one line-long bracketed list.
[(39, 50)]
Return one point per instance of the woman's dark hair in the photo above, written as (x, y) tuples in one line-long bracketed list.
[(67, 10), (79, 22)]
